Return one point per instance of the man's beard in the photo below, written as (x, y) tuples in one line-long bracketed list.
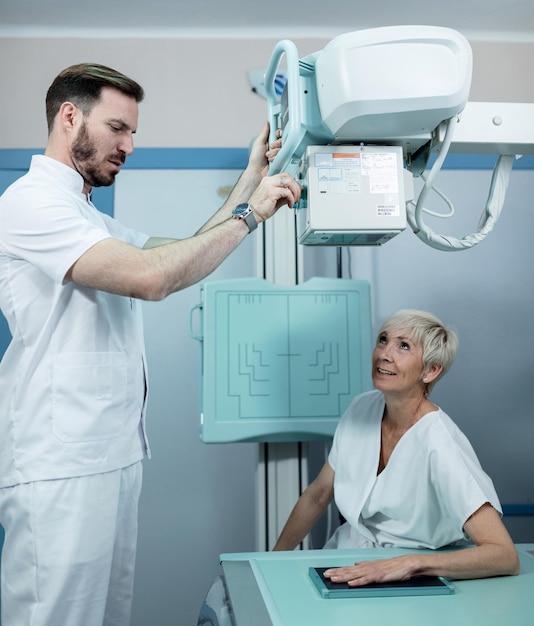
[(83, 152)]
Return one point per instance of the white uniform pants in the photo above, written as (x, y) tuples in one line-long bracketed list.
[(69, 552)]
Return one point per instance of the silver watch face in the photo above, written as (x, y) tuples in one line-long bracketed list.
[(245, 212), (240, 210)]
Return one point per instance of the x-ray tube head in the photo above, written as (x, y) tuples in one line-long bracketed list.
[(397, 86), (393, 83)]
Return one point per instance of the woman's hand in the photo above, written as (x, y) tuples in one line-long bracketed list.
[(376, 571)]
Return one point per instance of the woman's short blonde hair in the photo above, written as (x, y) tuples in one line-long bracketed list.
[(439, 343)]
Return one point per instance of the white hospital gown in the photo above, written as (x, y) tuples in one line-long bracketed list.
[(431, 485)]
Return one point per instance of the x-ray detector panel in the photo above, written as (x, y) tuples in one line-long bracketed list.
[(281, 363)]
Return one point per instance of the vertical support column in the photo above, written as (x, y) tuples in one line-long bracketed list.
[(282, 467)]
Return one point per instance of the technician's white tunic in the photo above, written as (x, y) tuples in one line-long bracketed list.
[(432, 484), (72, 381)]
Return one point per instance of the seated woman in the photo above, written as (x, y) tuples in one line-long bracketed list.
[(403, 474)]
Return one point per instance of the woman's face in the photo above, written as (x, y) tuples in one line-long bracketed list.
[(397, 362)]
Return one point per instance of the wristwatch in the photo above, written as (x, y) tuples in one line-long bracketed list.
[(245, 212)]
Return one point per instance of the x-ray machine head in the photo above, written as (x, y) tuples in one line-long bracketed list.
[(364, 116)]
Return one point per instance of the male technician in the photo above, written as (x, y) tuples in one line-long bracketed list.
[(73, 380)]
